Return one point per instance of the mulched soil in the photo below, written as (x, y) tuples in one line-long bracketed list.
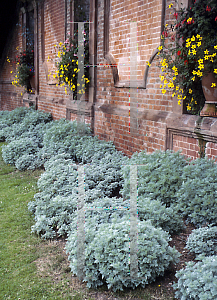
[(161, 289)]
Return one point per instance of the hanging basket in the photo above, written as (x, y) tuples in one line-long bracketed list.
[(210, 94)]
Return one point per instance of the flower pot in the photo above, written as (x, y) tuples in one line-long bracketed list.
[(210, 94)]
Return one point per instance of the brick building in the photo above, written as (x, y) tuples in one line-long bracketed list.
[(124, 102)]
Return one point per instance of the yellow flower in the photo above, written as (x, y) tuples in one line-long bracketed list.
[(189, 52), (206, 51), (173, 95), (11, 71), (206, 57), (60, 44), (193, 78), (161, 86), (165, 81), (188, 40), (194, 72), (164, 63), (188, 44), (215, 47), (188, 107), (192, 99), (184, 97), (215, 71), (189, 20), (213, 84), (194, 52), (198, 36), (200, 61), (179, 102), (201, 67), (54, 76), (76, 62), (163, 91), (193, 46), (160, 48), (171, 85), (177, 88), (195, 102), (199, 74), (193, 37), (180, 97), (190, 91), (174, 78), (171, 4), (198, 44), (148, 63)]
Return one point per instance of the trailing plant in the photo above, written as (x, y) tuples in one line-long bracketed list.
[(24, 69), (197, 197), (107, 253), (191, 42), (198, 280), (159, 175), (68, 67), (203, 241)]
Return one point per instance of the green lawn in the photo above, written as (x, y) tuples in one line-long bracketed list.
[(25, 258)]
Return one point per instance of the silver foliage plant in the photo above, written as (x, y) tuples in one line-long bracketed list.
[(197, 281), (107, 253), (203, 241)]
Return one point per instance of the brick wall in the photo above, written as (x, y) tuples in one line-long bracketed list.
[(156, 113), (11, 97), (111, 125)]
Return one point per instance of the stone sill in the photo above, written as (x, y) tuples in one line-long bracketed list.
[(80, 107), (139, 84)]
